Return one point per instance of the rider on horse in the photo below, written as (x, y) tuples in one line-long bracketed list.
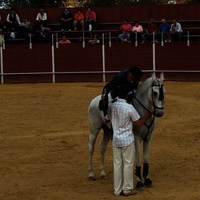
[(130, 76)]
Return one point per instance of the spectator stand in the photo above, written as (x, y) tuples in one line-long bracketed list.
[(190, 27)]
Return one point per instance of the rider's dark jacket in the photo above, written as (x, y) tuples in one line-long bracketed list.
[(119, 79)]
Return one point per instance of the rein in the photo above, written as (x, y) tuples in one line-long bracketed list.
[(148, 126), (161, 98)]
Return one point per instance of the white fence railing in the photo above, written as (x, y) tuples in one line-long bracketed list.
[(53, 73)]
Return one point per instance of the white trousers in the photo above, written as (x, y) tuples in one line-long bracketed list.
[(123, 158)]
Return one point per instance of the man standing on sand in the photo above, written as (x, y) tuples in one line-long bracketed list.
[(123, 115)]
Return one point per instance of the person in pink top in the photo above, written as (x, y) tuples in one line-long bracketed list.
[(125, 31), (90, 19), (137, 32)]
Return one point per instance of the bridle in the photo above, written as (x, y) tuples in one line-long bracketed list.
[(160, 98)]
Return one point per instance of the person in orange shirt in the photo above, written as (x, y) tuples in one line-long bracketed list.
[(79, 19), (64, 40)]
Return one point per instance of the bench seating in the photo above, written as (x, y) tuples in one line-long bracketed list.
[(111, 30)]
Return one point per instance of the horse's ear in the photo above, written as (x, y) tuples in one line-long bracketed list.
[(162, 78), (153, 75)]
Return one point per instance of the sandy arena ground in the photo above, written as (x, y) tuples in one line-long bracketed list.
[(44, 135)]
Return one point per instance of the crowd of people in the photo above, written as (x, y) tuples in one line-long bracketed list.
[(164, 31), (15, 27)]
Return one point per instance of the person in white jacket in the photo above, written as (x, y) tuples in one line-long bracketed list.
[(41, 18), (176, 31)]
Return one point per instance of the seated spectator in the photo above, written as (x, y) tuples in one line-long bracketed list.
[(164, 29), (41, 18), (12, 21), (79, 20), (66, 20), (151, 32), (94, 40), (25, 29), (125, 31), (176, 31), (137, 29), (91, 22), (64, 40), (43, 34)]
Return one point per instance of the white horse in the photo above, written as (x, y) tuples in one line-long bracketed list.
[(149, 97)]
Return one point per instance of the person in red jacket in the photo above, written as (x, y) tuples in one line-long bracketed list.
[(91, 19), (151, 32), (125, 31)]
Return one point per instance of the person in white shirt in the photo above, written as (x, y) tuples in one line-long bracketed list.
[(123, 115), (176, 31), (41, 18)]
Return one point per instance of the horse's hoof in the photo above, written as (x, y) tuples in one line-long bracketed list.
[(148, 182), (139, 186), (91, 178)]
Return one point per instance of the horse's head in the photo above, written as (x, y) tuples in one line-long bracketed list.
[(157, 95), (150, 96)]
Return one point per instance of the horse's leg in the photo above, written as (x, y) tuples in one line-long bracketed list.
[(147, 180), (139, 184), (106, 139), (91, 147)]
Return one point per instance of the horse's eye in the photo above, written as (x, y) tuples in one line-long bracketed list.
[(155, 94)]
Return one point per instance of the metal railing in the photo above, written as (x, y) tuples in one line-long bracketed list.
[(103, 72)]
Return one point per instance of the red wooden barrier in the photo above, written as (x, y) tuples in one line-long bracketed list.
[(74, 63)]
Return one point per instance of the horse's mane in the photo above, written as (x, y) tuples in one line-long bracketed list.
[(149, 82), (145, 85)]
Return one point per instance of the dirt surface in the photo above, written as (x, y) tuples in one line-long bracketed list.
[(44, 135)]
